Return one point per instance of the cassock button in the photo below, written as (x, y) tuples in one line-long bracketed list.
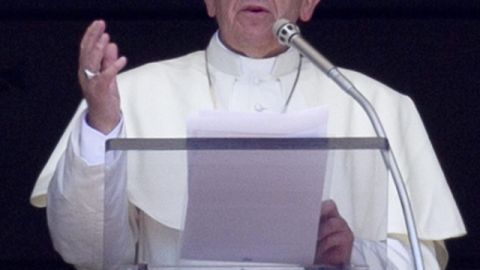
[(259, 107)]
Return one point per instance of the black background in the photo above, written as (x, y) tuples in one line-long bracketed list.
[(429, 50)]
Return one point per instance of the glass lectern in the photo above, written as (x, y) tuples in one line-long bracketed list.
[(209, 203)]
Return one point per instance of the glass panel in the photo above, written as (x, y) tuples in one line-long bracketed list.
[(240, 203)]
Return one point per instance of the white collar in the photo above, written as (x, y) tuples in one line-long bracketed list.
[(222, 58)]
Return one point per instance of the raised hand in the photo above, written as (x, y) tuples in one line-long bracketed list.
[(98, 67)]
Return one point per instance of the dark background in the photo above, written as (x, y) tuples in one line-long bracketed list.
[(429, 50)]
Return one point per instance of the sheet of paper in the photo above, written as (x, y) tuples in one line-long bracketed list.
[(254, 205), (307, 123)]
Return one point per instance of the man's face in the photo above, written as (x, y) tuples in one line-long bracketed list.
[(246, 25)]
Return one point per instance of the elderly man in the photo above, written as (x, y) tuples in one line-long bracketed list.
[(226, 76)]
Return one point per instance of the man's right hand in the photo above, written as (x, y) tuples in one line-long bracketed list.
[(100, 56)]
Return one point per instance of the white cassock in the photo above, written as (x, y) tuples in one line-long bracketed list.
[(157, 98)]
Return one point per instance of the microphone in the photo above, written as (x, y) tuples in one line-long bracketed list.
[(288, 34)]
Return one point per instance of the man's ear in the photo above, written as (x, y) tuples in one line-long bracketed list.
[(307, 9), (211, 10)]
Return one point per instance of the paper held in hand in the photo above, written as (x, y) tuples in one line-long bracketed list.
[(254, 205)]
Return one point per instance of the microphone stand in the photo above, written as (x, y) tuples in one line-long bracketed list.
[(289, 34)]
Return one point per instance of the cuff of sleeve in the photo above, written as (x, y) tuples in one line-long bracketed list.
[(92, 142)]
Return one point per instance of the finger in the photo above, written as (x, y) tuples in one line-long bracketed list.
[(329, 243), (112, 71), (110, 55), (92, 46), (329, 210), (93, 58), (92, 34), (335, 250), (331, 227), (339, 242)]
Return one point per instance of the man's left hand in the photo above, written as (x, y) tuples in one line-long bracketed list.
[(335, 239)]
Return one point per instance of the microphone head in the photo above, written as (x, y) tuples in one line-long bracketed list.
[(285, 31)]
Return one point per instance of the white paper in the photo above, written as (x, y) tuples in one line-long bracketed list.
[(306, 123), (254, 205)]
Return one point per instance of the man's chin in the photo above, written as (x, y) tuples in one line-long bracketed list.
[(258, 35)]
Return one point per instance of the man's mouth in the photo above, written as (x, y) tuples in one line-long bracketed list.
[(255, 9)]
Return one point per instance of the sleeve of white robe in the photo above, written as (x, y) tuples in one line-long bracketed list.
[(372, 253), (75, 208)]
